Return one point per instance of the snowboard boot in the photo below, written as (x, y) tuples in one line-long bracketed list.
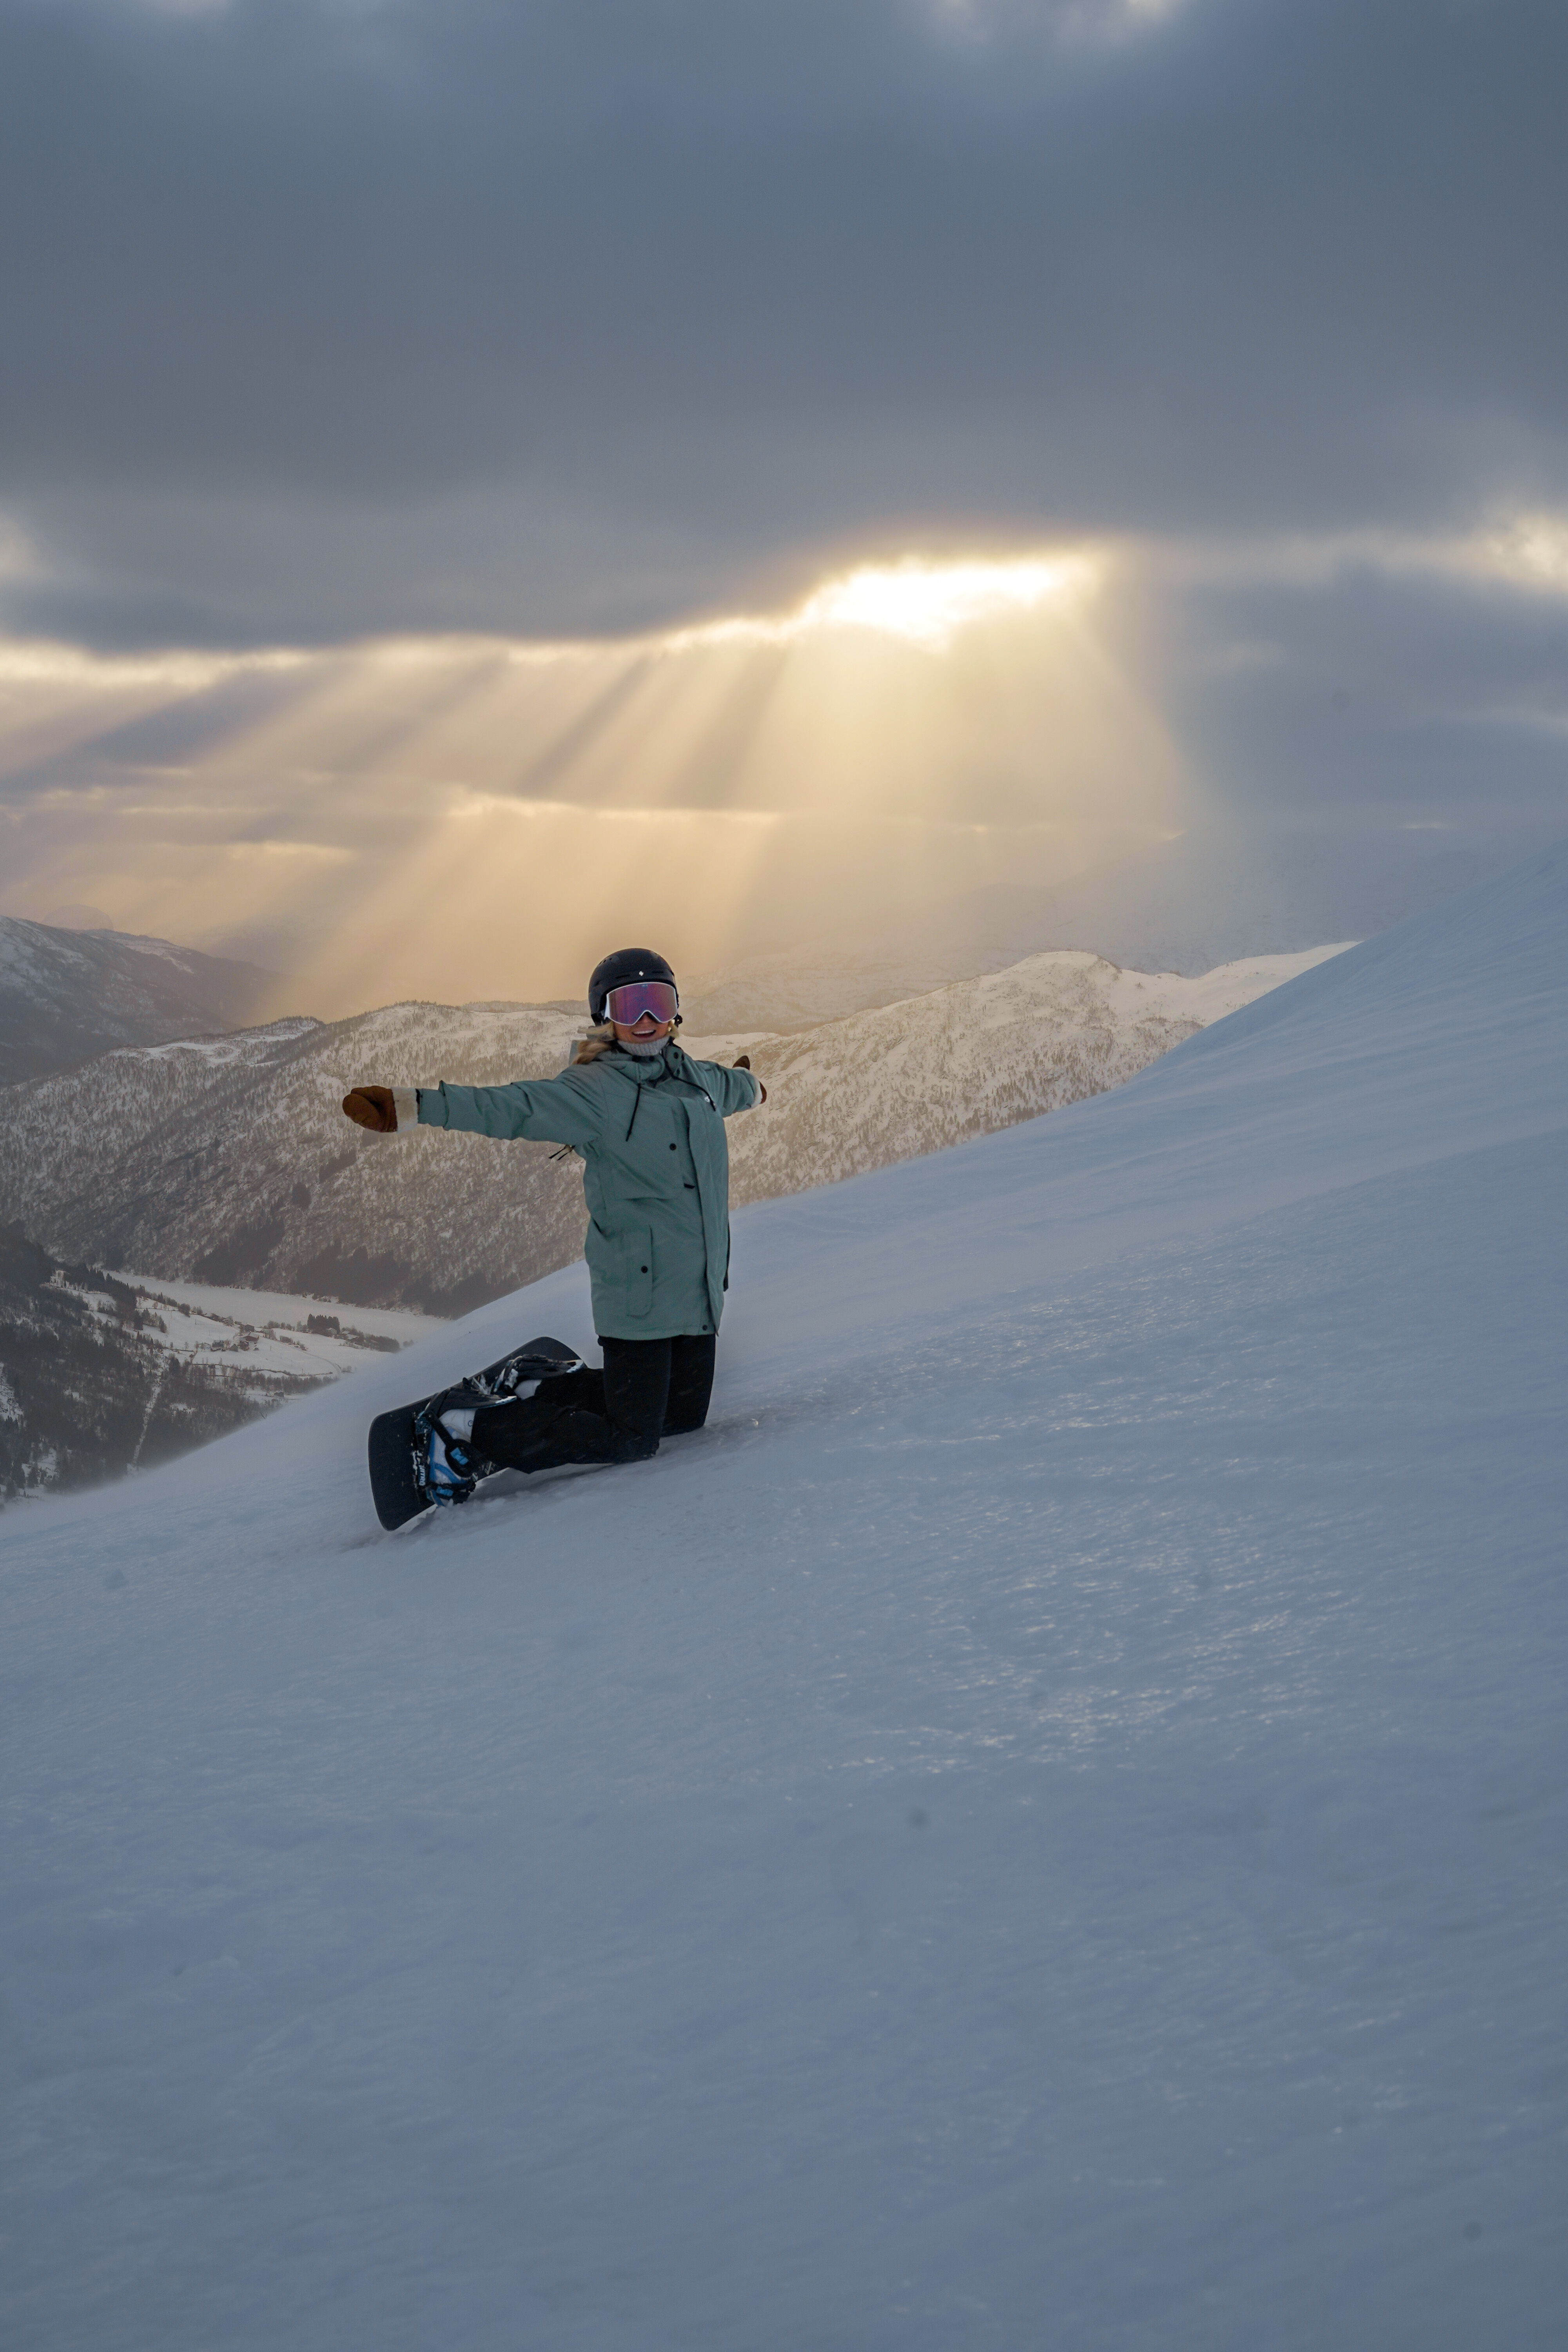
[(447, 1466)]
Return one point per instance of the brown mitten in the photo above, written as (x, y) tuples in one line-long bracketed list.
[(743, 1061), (373, 1106)]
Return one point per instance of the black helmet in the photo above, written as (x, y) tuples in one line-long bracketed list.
[(615, 970)]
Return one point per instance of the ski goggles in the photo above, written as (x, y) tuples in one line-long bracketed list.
[(626, 1006)]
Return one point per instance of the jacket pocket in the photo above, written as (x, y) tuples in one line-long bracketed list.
[(636, 1269)]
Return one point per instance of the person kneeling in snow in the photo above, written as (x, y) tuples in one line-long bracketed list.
[(648, 1124)]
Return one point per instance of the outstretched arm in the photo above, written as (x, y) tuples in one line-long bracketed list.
[(567, 1109), (545, 1111), (749, 1102)]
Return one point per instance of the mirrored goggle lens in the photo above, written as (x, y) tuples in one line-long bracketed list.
[(628, 1005)]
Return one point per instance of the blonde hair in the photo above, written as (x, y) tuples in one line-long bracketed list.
[(589, 1048)]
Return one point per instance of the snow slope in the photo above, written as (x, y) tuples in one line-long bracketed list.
[(1042, 1825)]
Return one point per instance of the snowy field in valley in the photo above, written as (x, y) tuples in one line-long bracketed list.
[(272, 1329), (103, 1373), (1043, 1825)]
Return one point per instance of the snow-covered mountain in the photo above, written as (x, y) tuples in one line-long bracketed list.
[(68, 995), (915, 1076), (1042, 1824), (229, 1161)]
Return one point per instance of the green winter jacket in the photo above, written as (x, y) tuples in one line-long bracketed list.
[(656, 1171)]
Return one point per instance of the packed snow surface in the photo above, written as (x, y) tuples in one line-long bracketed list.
[(1043, 1825)]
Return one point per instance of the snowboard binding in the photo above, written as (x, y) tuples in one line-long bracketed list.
[(446, 1467), (422, 1455)]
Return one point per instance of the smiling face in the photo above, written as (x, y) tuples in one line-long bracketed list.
[(643, 1031), (643, 1011)]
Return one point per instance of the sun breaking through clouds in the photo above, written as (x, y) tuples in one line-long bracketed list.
[(928, 603), (497, 475), (462, 817)]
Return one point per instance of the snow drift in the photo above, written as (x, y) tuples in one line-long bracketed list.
[(1043, 1824)]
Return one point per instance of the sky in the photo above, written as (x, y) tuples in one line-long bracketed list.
[(475, 477)]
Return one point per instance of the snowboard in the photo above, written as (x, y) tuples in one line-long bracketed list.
[(397, 1453)]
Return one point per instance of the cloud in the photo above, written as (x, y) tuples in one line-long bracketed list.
[(1374, 684), (474, 817), (586, 315), (467, 817), (468, 469)]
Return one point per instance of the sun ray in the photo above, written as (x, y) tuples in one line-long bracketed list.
[(470, 816)]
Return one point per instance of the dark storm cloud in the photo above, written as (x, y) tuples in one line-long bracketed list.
[(1377, 699), (324, 319)]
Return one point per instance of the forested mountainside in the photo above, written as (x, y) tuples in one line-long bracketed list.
[(230, 1161), (68, 995), (93, 1381)]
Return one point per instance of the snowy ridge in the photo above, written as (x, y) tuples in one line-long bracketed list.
[(67, 995), (1043, 1823), (916, 1076), (230, 1161), (240, 1046)]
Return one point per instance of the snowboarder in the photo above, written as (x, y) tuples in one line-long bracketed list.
[(648, 1124)]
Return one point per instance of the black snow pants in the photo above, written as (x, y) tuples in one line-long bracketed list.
[(648, 1389)]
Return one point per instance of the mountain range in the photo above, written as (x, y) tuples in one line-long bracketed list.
[(66, 996), (228, 1159)]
